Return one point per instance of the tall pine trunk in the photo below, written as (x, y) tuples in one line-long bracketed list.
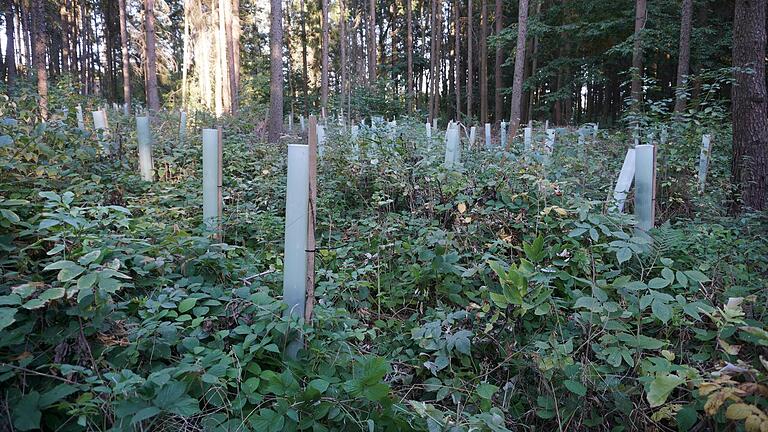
[(641, 17), (305, 69), (126, 58), (326, 42), (484, 62), (749, 169), (457, 54), (684, 56), (10, 47), (230, 46), (409, 53), (517, 82), (153, 97), (372, 42), (276, 71), (498, 103), (470, 59), (39, 30)]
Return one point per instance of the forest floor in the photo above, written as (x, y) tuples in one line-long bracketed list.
[(499, 295)]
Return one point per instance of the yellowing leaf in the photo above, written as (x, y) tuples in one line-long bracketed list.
[(739, 411), (462, 207)]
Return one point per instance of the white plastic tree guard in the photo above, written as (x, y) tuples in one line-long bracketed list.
[(645, 186), (428, 128), (487, 135), (355, 133), (452, 156), (434, 123), (182, 126), (211, 178), (624, 182), (706, 150), (144, 137), (527, 134), (550, 141), (472, 135), (503, 135), (80, 119), (126, 108), (99, 120), (303, 124), (320, 140), (296, 219)]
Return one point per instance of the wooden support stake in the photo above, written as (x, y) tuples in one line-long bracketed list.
[(311, 219), (220, 185)]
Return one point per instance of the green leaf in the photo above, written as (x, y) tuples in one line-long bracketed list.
[(658, 283), (575, 387), (145, 414), (661, 310), (52, 294), (7, 317), (58, 265), (57, 394), (26, 414), (89, 257), (686, 418), (668, 274), (34, 304), (376, 392), (86, 281), (268, 421), (486, 391), (10, 216), (187, 304), (697, 276), (661, 387), (623, 255), (250, 386)]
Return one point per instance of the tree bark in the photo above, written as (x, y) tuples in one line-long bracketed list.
[(153, 97), (126, 58), (641, 16), (10, 47), (409, 53), (470, 59), (749, 169), (276, 71), (325, 45), (498, 77), (39, 30), (305, 69), (484, 63), (222, 63), (372, 42), (457, 55), (230, 46), (684, 56), (342, 53), (517, 83)]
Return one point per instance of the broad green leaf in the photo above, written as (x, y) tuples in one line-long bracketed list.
[(661, 387), (52, 294), (486, 391), (623, 255), (7, 317), (89, 257), (575, 387), (658, 283), (57, 394), (697, 276), (145, 414), (187, 304), (26, 414)]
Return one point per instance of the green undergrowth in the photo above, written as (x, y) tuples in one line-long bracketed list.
[(498, 296)]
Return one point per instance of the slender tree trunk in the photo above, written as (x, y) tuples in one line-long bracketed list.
[(236, 32), (276, 71), (641, 16), (10, 47), (684, 56), (39, 30), (231, 42), (127, 59), (372, 42), (326, 42), (185, 57), (305, 70), (750, 107), (433, 59), (64, 21), (153, 97), (534, 65), (409, 53), (342, 53), (517, 83), (498, 103), (222, 63), (457, 54), (484, 63), (470, 59)]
